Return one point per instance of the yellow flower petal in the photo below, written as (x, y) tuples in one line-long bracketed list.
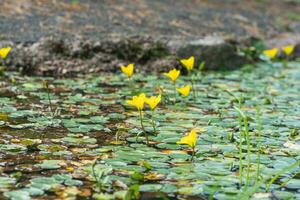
[(4, 52), (173, 74), (185, 91), (288, 50), (271, 52), (128, 70), (130, 102), (153, 101), (188, 63), (138, 101), (190, 139)]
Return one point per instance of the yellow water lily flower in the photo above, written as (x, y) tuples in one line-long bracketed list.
[(153, 101), (4, 52), (188, 63), (128, 70), (138, 101), (190, 139), (185, 91), (173, 74), (288, 50), (271, 52)]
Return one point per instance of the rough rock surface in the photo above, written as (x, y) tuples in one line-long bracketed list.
[(30, 20), (53, 56), (214, 51), (65, 37)]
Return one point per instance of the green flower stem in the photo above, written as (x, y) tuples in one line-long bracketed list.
[(131, 84), (49, 100), (243, 117), (240, 152), (245, 195), (2, 67), (283, 184), (193, 86), (141, 120), (279, 173), (241, 138), (142, 125), (98, 182), (248, 149), (258, 143), (285, 63), (153, 122), (193, 154), (175, 94)]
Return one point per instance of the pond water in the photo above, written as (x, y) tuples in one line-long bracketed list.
[(80, 140)]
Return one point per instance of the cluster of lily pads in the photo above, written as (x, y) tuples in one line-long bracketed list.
[(77, 138), (189, 63), (139, 101)]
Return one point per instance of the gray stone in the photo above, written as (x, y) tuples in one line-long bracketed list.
[(295, 27), (217, 53), (53, 56)]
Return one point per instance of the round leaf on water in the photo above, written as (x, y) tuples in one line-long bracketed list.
[(12, 148), (50, 164), (150, 187), (168, 146), (34, 191), (6, 182), (293, 184), (72, 182), (18, 195)]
